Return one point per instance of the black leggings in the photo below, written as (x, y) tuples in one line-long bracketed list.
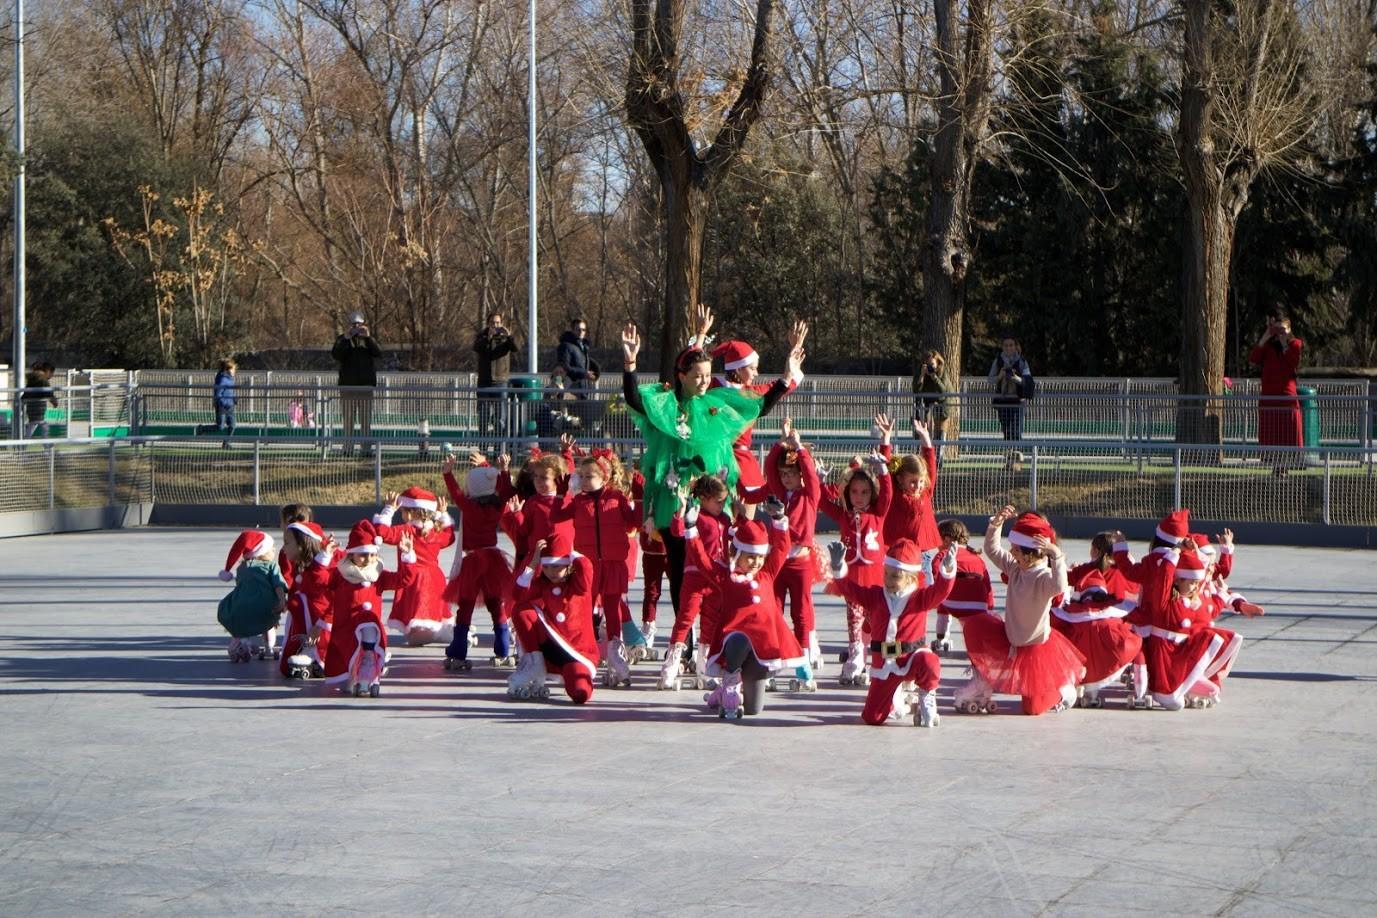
[(737, 656)]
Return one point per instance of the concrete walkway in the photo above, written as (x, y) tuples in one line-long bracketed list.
[(141, 772)]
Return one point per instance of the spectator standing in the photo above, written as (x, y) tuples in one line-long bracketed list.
[(1013, 385), (930, 388), (224, 396), (357, 351), (1278, 353), (37, 396), (572, 356), (494, 347)]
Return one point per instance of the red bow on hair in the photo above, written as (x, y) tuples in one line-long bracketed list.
[(682, 362), (536, 452), (605, 458)]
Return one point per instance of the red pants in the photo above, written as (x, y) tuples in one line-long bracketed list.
[(795, 581), (532, 634), (697, 597), (609, 592), (653, 570), (463, 613), (924, 667)]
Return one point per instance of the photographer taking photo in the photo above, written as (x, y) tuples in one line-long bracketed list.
[(929, 394), (1278, 353), (1013, 383), (494, 347), (356, 352)]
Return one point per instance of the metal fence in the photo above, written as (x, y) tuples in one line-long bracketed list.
[(1115, 480)]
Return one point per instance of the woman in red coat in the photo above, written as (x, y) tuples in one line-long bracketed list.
[(1278, 352)]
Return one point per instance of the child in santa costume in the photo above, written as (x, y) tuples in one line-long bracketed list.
[(1187, 656), (604, 520), (251, 610), (898, 616), (754, 640), (910, 514), (699, 600), (858, 506), (309, 613), (654, 562), (358, 638), (484, 571), (971, 592), (1022, 655), (1153, 574), (290, 513), (419, 611), (1092, 616), (740, 370), (1219, 564), (548, 508), (793, 478), (553, 614)]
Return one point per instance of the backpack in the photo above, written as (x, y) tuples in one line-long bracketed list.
[(1029, 389)]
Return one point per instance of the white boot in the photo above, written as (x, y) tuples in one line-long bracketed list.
[(673, 668), (925, 710), (271, 651), (648, 632), (618, 672), (853, 669), (814, 654), (975, 696), (529, 679)]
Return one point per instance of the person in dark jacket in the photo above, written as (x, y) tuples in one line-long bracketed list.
[(38, 394), (224, 397), (1013, 385), (572, 356), (494, 347), (356, 351)]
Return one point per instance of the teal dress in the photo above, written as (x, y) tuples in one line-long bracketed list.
[(250, 608)]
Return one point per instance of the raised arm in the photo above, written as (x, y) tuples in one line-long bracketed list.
[(994, 539), (631, 347)]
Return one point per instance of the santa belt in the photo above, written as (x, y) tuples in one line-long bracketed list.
[(896, 648), (1176, 637)]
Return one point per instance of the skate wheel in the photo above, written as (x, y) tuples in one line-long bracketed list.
[(374, 690), (991, 707), (357, 689), (969, 707)]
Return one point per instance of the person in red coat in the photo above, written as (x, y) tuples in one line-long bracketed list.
[(971, 593), (553, 614), (358, 640), (754, 640), (1153, 573), (485, 571), (603, 520), (1091, 617), (699, 595), (915, 481), (1278, 353), (898, 617), (419, 611), (793, 478), (549, 508), (309, 612)]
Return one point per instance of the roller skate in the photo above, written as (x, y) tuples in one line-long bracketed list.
[(1088, 696), (1070, 697), (365, 670), (239, 650), (648, 632), (529, 679), (975, 697), (941, 644), (503, 654), (457, 653), (1204, 694), (853, 671), (266, 649), (925, 710), (804, 680), (633, 643), (306, 663), (1138, 697), (726, 698), (700, 669), (673, 668), (904, 699), (618, 673), (814, 655)]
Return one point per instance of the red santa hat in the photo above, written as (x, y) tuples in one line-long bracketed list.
[(481, 482), (1174, 526), (905, 555), (751, 537), (418, 499), (252, 543), (1091, 585), (308, 529), (1202, 545), (1027, 529), (363, 539), (1191, 566), (559, 550), (736, 354)]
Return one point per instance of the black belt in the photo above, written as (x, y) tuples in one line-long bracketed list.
[(896, 648)]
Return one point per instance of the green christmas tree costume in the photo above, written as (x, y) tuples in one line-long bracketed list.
[(688, 440)]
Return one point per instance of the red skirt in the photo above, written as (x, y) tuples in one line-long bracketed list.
[(484, 572), (1279, 421), (1108, 645), (748, 474), (422, 601), (772, 638), (1035, 670)]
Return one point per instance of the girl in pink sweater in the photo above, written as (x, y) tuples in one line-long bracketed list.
[(1022, 655)]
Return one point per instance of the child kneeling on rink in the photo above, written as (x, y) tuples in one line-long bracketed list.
[(250, 612), (553, 615), (898, 617)]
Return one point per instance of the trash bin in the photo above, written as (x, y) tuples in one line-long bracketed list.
[(1310, 415), (526, 395)]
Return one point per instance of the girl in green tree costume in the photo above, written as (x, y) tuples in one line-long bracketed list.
[(689, 429)]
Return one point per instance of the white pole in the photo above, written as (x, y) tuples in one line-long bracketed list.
[(532, 294), (20, 359)]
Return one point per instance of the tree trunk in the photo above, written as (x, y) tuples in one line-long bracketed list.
[(1205, 286), (685, 204)]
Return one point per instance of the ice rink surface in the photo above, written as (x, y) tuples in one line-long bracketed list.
[(143, 773)]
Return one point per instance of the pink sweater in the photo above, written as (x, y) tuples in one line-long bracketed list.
[(1028, 603)]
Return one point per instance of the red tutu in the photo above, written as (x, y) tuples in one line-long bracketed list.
[(485, 571), (1108, 644), (1037, 671)]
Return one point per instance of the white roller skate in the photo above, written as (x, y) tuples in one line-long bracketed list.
[(673, 668), (904, 699), (239, 650), (814, 655), (267, 649), (633, 643), (726, 698), (925, 710), (503, 647), (306, 664), (618, 673), (804, 680), (1136, 683), (648, 633), (941, 644), (700, 669), (1204, 694), (854, 671), (1070, 697), (365, 669), (975, 696), (529, 679)]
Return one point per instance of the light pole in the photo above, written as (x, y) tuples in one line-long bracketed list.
[(532, 293), (19, 331)]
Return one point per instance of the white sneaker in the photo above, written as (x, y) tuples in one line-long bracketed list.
[(854, 666), (529, 679), (925, 710), (673, 668)]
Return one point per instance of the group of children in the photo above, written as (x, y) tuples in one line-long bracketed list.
[(579, 531)]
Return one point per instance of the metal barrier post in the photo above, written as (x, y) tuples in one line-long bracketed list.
[(257, 472), (1033, 480), (377, 474), (1324, 514), (1176, 495), (52, 476), (110, 474)]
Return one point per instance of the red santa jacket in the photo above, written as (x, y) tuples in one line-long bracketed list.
[(801, 506), (541, 516), (352, 604), (863, 531), (971, 590), (312, 592), (480, 520), (895, 618), (771, 392), (913, 517), (426, 543), (603, 521), (566, 608), (1155, 573)]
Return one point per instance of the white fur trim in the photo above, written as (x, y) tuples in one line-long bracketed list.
[(408, 557), (322, 558), (1189, 574), (747, 548), (384, 516), (899, 565), (748, 360), (362, 550), (301, 528), (1077, 618), (1021, 540), (524, 579), (558, 562), (1168, 537), (413, 504), (794, 378), (782, 524)]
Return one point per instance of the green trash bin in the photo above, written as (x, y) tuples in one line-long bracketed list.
[(527, 393), (1310, 416)]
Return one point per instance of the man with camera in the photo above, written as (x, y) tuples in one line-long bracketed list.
[(356, 351), (494, 347), (1013, 383), (930, 395)]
